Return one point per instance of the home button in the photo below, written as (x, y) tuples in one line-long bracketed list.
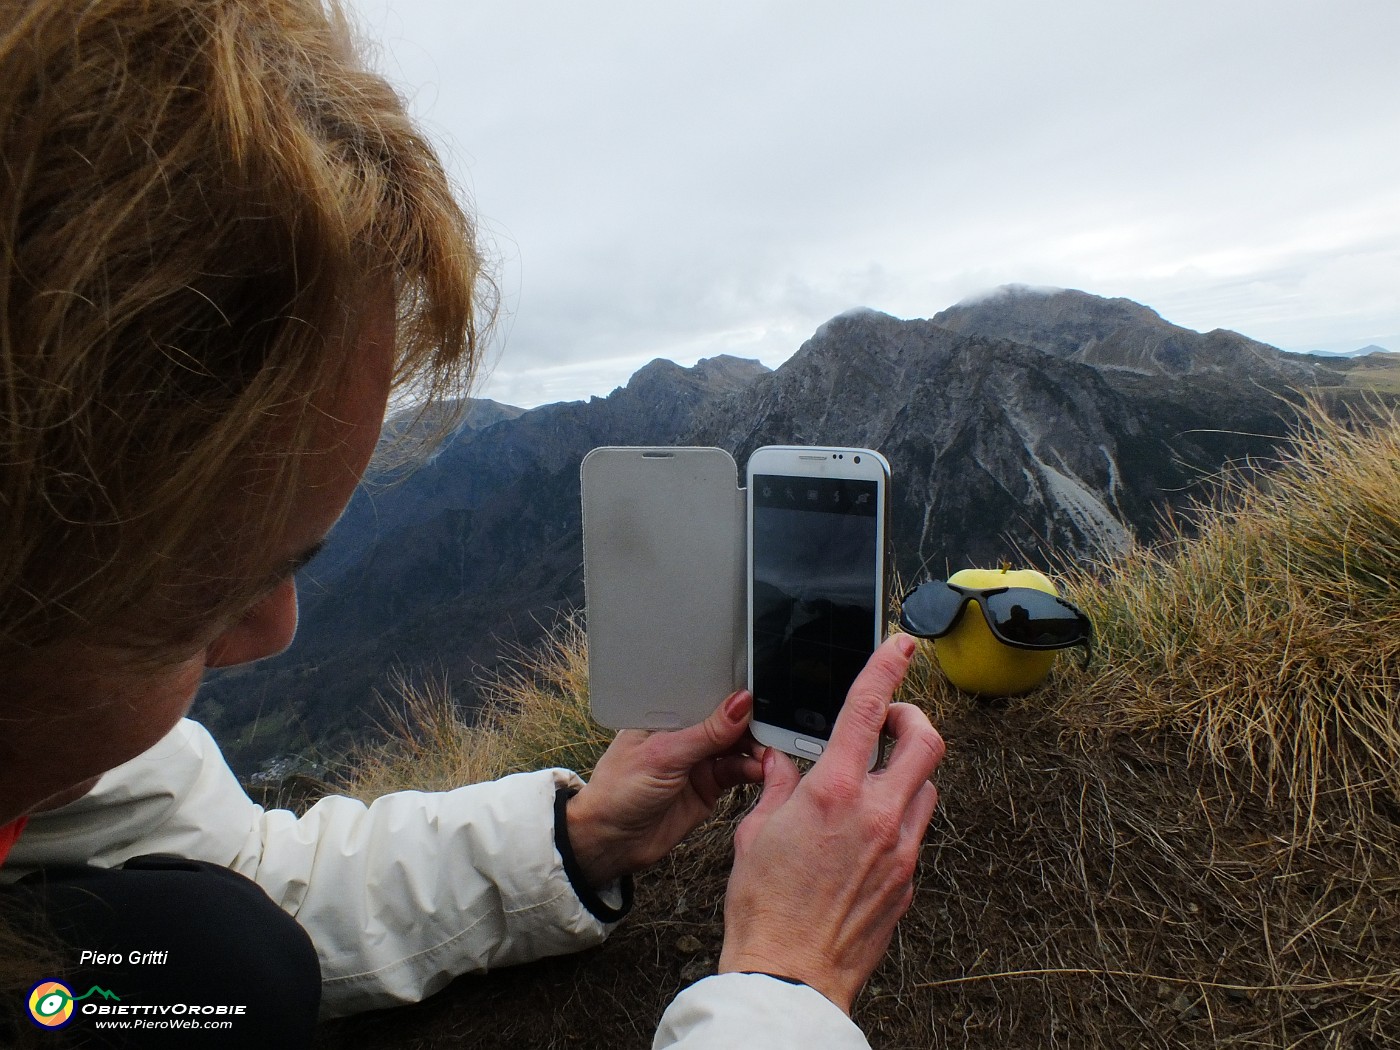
[(808, 747)]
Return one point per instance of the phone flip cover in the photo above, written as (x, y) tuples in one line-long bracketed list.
[(664, 588)]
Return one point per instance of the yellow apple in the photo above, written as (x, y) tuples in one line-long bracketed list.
[(970, 654)]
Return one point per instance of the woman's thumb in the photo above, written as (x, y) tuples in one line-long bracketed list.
[(780, 780)]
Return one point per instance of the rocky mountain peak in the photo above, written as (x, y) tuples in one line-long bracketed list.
[(1035, 307), (1115, 334), (710, 376), (728, 371)]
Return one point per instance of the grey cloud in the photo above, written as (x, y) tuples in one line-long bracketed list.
[(662, 178)]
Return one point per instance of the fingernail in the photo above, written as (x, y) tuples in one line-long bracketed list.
[(736, 706), (905, 644)]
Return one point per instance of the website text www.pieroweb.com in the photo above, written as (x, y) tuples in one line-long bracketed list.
[(55, 1004)]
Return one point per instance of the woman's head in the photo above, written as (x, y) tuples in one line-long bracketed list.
[(202, 204)]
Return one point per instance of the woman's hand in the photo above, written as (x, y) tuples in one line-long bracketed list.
[(650, 790), (824, 865)]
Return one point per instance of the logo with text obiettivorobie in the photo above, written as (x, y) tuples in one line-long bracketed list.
[(51, 1002)]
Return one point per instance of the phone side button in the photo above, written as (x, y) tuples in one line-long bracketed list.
[(808, 747)]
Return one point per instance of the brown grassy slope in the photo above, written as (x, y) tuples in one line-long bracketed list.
[(1377, 373), (1195, 842)]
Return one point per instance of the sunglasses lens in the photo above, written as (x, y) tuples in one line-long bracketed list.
[(930, 609), (1023, 616)]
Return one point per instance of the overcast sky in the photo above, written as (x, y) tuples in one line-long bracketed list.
[(682, 179)]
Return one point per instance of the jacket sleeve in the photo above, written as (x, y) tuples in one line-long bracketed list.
[(399, 896), (743, 1009)]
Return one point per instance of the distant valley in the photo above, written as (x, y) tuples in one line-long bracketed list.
[(1026, 424)]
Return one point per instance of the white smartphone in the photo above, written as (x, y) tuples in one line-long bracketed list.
[(816, 581)]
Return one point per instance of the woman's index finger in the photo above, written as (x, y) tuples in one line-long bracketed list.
[(862, 716)]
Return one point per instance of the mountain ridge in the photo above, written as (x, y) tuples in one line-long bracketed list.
[(1112, 333), (1063, 443)]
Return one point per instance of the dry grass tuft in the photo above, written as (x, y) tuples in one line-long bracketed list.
[(535, 714), (1271, 640), (1194, 843)]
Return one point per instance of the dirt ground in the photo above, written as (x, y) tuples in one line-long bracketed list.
[(1069, 896)]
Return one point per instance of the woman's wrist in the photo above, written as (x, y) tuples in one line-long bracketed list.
[(596, 857), (584, 855), (826, 980)]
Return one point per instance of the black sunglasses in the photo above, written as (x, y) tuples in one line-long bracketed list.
[(1021, 617)]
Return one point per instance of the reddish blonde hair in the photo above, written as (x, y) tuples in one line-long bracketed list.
[(195, 196)]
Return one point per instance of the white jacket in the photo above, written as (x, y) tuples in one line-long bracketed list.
[(404, 894)]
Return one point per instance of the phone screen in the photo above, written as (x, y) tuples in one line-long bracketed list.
[(815, 595)]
